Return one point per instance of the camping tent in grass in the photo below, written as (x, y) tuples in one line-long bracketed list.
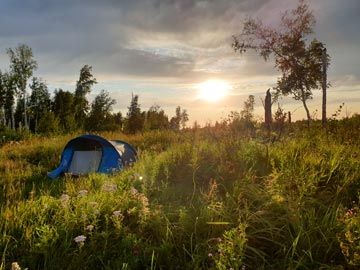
[(92, 153)]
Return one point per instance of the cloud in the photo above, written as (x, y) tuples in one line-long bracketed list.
[(160, 48)]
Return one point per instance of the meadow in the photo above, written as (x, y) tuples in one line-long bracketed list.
[(202, 198)]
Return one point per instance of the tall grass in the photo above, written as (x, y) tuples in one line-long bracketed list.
[(201, 199)]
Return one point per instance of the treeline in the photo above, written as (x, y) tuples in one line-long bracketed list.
[(69, 111)]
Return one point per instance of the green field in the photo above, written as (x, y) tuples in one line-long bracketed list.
[(202, 198)]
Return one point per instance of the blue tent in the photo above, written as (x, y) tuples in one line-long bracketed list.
[(92, 153)]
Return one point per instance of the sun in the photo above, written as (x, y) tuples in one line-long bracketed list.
[(213, 90)]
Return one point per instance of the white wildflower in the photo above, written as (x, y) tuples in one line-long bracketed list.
[(80, 239), (117, 213), (109, 187), (83, 192), (15, 266), (93, 204), (64, 197)]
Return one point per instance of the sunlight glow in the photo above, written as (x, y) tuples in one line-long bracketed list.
[(213, 90)]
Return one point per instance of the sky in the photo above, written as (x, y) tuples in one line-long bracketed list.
[(162, 50)]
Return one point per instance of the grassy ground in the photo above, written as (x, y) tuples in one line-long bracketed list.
[(209, 198)]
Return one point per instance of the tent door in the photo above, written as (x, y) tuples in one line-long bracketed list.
[(84, 162)]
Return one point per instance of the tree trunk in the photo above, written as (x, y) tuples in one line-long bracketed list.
[(25, 114), (12, 120), (303, 100), (36, 124), (268, 110), (307, 112), (289, 117), (324, 78), (3, 115)]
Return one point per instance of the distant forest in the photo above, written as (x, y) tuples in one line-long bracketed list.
[(68, 111)]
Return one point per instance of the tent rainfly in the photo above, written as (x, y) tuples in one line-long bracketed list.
[(91, 153)]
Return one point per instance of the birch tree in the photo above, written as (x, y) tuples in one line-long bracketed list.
[(22, 66)]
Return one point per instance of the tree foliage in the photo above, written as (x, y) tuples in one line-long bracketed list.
[(63, 108), (180, 119), (83, 87), (134, 118), (7, 90), (247, 112), (298, 61), (69, 111), (22, 66), (100, 114), (156, 118), (39, 103)]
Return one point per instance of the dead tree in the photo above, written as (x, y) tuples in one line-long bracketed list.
[(324, 79), (268, 117)]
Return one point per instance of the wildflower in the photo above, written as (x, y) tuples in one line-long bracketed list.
[(136, 252), (219, 251), (108, 187), (64, 197), (90, 227), (83, 192), (117, 213), (15, 266), (80, 239), (143, 199), (210, 255), (93, 204), (350, 212)]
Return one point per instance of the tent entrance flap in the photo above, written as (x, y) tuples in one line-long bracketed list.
[(84, 162)]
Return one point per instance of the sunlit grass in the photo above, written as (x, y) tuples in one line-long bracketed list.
[(202, 199)]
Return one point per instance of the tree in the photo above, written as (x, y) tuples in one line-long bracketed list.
[(22, 66), (63, 108), (268, 114), (7, 99), (2, 99), (180, 119), (19, 112), (299, 62), (247, 112), (83, 87), (156, 118), (134, 117), (324, 86), (280, 118), (114, 122), (39, 103), (48, 124), (100, 114)]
